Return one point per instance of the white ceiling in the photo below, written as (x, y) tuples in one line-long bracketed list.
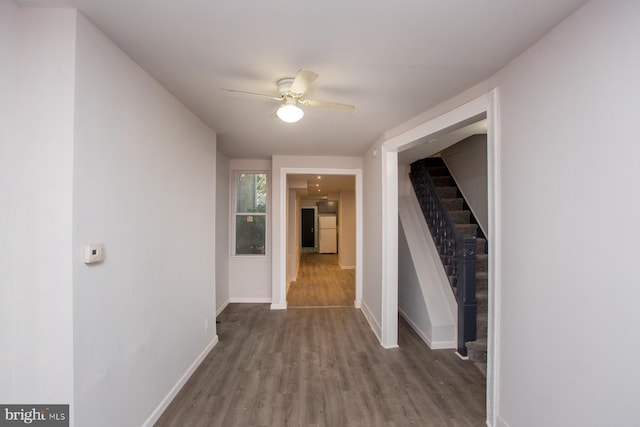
[(434, 144), (320, 186), (391, 59)]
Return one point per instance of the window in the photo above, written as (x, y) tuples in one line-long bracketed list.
[(250, 215)]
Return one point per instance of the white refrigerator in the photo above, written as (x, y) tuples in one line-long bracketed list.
[(328, 238)]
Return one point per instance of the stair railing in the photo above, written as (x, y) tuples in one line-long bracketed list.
[(457, 252)]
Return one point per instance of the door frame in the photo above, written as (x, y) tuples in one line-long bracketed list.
[(485, 104), (279, 264)]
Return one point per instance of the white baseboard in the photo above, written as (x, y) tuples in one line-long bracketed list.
[(373, 324), (279, 306), (155, 415), (433, 345), (250, 300), (222, 307), (357, 304), (347, 267)]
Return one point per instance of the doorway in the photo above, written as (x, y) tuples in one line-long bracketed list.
[(307, 231), (286, 247), (430, 131)]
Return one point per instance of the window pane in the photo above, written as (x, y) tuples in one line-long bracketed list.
[(250, 234), (251, 192)]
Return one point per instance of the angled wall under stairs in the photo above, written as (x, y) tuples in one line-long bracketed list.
[(425, 298)]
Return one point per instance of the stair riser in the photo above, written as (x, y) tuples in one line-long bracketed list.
[(447, 192), (443, 181), (477, 355), (481, 285), (481, 328), (453, 204), (482, 302), (438, 171), (482, 263), (467, 229), (460, 217), (481, 246)]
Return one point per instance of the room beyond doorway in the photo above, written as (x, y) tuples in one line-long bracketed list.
[(286, 205), (321, 282)]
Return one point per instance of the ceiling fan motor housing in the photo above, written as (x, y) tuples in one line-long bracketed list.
[(284, 86)]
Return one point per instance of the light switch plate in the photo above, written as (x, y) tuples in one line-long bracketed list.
[(93, 252)]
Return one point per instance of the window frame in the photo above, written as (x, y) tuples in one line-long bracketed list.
[(234, 213)]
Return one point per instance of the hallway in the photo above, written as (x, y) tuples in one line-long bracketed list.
[(321, 282)]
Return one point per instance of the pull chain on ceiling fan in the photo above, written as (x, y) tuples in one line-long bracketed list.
[(291, 91)]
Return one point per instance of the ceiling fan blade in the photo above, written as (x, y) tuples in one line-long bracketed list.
[(303, 81), (275, 98), (325, 104)]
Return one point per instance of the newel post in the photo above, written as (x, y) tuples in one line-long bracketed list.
[(466, 292)]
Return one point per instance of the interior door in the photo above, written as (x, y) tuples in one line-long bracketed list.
[(308, 228)]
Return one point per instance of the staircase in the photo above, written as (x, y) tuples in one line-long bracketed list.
[(465, 224)]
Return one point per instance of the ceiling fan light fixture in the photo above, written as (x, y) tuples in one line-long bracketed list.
[(289, 112)]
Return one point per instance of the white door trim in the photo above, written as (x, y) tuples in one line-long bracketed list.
[(281, 263), (485, 104)]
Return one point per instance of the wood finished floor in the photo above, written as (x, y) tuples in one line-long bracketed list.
[(324, 367), (322, 282), (313, 366)]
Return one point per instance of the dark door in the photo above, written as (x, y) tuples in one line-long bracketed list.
[(308, 224)]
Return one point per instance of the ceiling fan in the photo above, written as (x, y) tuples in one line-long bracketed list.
[(290, 93)]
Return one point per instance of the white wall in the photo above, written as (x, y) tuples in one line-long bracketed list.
[(566, 335), (411, 300), (222, 231), (36, 170), (347, 229), (467, 162), (568, 331), (372, 238), (144, 184), (9, 146), (250, 275)]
